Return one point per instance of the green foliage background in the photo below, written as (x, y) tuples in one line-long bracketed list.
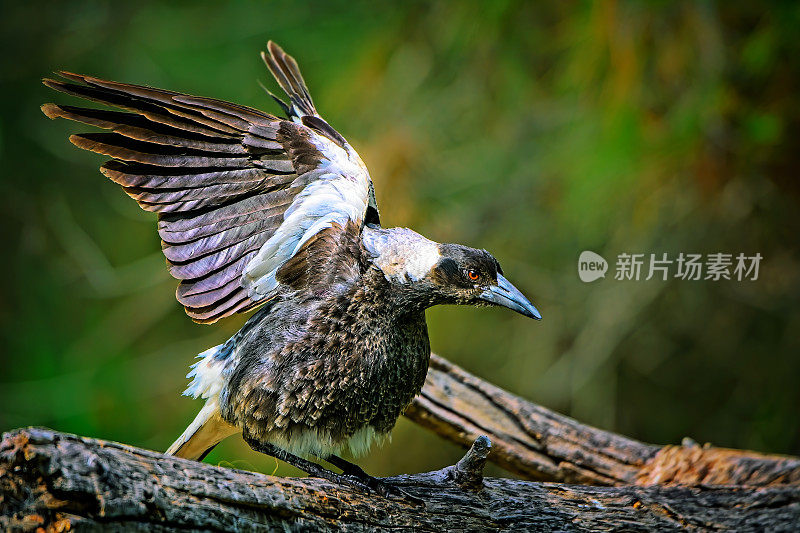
[(535, 130)]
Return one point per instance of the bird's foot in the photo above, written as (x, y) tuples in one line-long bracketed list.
[(363, 482), (390, 491), (376, 485), (352, 475)]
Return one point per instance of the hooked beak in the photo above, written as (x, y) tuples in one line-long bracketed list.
[(507, 295)]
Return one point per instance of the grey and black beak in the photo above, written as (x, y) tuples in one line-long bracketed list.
[(507, 295)]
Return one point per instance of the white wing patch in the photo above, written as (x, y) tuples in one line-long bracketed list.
[(340, 192)]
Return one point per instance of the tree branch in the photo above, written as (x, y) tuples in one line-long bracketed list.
[(58, 481), (538, 444)]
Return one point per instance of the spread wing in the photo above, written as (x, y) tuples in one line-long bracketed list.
[(238, 192)]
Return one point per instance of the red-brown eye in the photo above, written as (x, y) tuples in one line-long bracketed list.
[(472, 275)]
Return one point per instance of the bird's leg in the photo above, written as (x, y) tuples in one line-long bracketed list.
[(347, 467), (352, 474), (378, 485), (309, 467)]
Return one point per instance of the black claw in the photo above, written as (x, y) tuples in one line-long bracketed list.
[(352, 474), (378, 486), (372, 485), (390, 491)]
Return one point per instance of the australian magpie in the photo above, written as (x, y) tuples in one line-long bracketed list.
[(279, 214)]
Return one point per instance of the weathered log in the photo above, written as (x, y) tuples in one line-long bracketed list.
[(539, 444), (58, 481)]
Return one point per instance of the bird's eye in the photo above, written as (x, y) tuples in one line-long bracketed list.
[(471, 274)]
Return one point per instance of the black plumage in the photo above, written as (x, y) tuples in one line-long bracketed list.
[(280, 213)]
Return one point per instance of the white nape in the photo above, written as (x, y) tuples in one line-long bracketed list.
[(402, 255)]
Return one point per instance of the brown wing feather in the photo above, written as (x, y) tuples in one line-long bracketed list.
[(286, 72), (219, 175), (215, 172), (332, 258)]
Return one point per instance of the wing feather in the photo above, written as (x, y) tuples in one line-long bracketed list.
[(153, 111), (139, 128), (131, 175), (238, 192), (286, 72)]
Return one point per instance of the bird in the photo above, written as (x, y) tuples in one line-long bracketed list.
[(277, 215)]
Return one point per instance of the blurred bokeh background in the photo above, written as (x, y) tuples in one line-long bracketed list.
[(536, 130)]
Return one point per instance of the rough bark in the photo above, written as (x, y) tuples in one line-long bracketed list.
[(58, 481), (539, 444)]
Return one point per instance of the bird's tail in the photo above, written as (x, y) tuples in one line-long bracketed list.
[(205, 432), (208, 427)]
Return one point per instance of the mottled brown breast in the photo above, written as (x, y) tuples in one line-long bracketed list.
[(335, 354)]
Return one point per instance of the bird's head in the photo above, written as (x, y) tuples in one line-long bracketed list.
[(427, 273), (468, 276)]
